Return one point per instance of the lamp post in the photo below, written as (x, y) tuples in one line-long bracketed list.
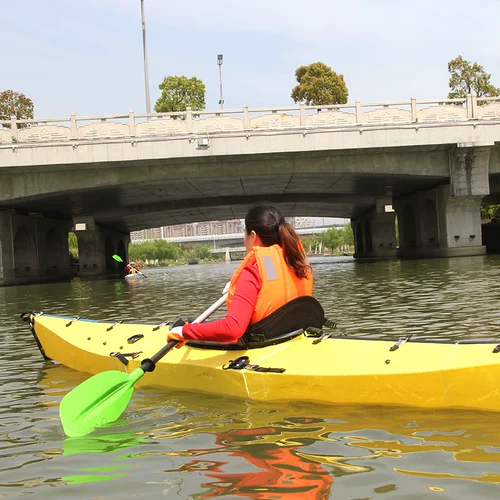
[(145, 54), (219, 63)]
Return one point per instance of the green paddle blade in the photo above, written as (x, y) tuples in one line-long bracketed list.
[(98, 401), (117, 258)]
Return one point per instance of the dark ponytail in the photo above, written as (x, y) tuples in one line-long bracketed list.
[(270, 226)]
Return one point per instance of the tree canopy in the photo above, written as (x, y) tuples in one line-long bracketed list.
[(490, 213), (469, 78), (159, 250), (15, 104), (179, 92), (336, 237), (333, 239), (318, 84)]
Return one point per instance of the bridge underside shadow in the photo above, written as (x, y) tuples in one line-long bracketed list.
[(129, 196)]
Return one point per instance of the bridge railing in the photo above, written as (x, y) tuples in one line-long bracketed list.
[(132, 126)]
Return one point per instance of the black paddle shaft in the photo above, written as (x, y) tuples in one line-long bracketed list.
[(149, 364)]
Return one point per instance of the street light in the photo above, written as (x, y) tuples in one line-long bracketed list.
[(146, 77), (219, 63)]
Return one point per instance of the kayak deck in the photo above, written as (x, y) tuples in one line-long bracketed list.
[(336, 370), (134, 276)]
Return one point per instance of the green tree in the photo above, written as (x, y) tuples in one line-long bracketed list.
[(203, 252), (467, 78), (337, 237), (15, 104), (346, 236), (309, 242), (73, 245), (331, 239), (318, 84), (491, 213), (179, 92), (156, 250)]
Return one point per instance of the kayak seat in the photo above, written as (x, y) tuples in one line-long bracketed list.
[(300, 313), (287, 322)]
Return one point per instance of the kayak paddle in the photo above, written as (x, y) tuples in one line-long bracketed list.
[(141, 273), (101, 399)]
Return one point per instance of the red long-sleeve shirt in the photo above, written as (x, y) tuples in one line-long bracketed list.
[(129, 267), (239, 315)]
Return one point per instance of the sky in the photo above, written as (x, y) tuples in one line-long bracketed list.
[(85, 56)]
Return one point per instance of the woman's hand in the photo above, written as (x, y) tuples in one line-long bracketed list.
[(176, 334)]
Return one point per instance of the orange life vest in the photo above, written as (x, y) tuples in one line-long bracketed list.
[(280, 284)]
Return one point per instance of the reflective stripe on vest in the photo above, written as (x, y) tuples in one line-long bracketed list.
[(269, 268)]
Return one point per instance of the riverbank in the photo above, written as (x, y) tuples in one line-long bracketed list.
[(187, 262)]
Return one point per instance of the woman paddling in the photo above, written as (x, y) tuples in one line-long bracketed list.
[(132, 268), (274, 272)]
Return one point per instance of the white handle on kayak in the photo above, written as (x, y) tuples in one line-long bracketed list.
[(203, 316)]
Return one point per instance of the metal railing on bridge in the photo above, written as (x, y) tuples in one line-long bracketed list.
[(198, 124)]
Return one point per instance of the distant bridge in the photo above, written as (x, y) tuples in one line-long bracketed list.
[(232, 239)]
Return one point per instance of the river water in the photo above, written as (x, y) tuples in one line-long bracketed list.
[(186, 445)]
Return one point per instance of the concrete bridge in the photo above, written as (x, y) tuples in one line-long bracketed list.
[(434, 162)]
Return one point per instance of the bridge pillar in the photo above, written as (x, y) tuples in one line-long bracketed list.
[(96, 247), (445, 221), (32, 249), (374, 232)]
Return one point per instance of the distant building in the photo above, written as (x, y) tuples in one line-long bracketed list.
[(299, 222), (192, 229), (154, 233)]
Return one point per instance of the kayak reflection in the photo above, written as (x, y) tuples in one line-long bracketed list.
[(274, 452), (227, 447), (282, 471)]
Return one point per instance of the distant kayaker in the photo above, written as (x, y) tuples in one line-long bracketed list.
[(132, 268), (274, 272)]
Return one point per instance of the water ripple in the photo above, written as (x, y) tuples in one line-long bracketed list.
[(197, 446)]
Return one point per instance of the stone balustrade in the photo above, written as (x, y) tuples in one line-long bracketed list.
[(246, 120)]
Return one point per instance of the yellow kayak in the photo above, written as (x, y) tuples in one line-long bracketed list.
[(298, 367)]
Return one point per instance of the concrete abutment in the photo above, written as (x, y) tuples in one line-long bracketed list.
[(96, 247), (446, 221), (35, 249), (374, 232)]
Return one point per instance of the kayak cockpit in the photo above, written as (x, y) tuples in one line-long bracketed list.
[(302, 314)]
